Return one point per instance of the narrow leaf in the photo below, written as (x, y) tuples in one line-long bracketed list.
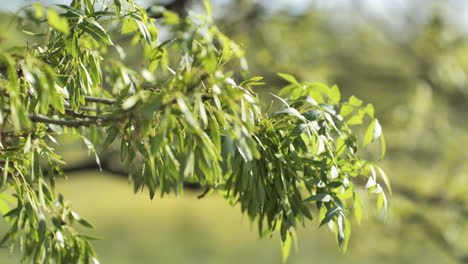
[(322, 197), (60, 24), (288, 78)]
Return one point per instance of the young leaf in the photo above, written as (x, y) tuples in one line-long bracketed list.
[(291, 111), (331, 213), (383, 146), (357, 206), (129, 25), (286, 247), (289, 78), (60, 24), (377, 130), (112, 133), (334, 94), (96, 31), (354, 101), (144, 31), (208, 8), (187, 113), (312, 115), (385, 179), (374, 130), (322, 197)]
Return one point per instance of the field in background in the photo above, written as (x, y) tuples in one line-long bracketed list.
[(135, 229)]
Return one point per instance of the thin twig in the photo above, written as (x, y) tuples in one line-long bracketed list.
[(88, 99), (108, 101), (73, 113), (70, 123), (205, 192)]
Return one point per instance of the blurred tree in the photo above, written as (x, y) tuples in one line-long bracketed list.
[(413, 66), (175, 117)]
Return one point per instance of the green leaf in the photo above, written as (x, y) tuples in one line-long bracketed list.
[(27, 145), (331, 213), (357, 118), (112, 133), (369, 110), (291, 111), (4, 175), (334, 94), (288, 78), (12, 212), (208, 8), (347, 234), (377, 130), (58, 23), (286, 247), (340, 233), (189, 165), (385, 179), (75, 12), (144, 31), (383, 146), (85, 223), (129, 25), (281, 100), (312, 115), (130, 101), (381, 202), (299, 129), (370, 183), (252, 81), (322, 197), (187, 114), (374, 130), (39, 10), (170, 17), (96, 31), (118, 6), (354, 101), (346, 110)]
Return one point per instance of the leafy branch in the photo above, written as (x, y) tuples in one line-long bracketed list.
[(86, 121), (200, 127)]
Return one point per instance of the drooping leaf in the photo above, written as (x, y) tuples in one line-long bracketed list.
[(95, 30), (286, 247), (291, 111), (322, 197), (374, 130)]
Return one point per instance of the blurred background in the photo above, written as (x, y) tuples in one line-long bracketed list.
[(407, 57)]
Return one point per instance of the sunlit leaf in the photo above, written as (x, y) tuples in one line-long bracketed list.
[(96, 31), (60, 24), (286, 247), (288, 78), (322, 197), (374, 130)]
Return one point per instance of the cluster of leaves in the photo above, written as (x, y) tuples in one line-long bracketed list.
[(178, 117)]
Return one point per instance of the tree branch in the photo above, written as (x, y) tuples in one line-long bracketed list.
[(107, 101), (88, 99), (109, 167), (72, 123), (98, 120)]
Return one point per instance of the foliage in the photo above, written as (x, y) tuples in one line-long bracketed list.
[(177, 117), (414, 70)]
